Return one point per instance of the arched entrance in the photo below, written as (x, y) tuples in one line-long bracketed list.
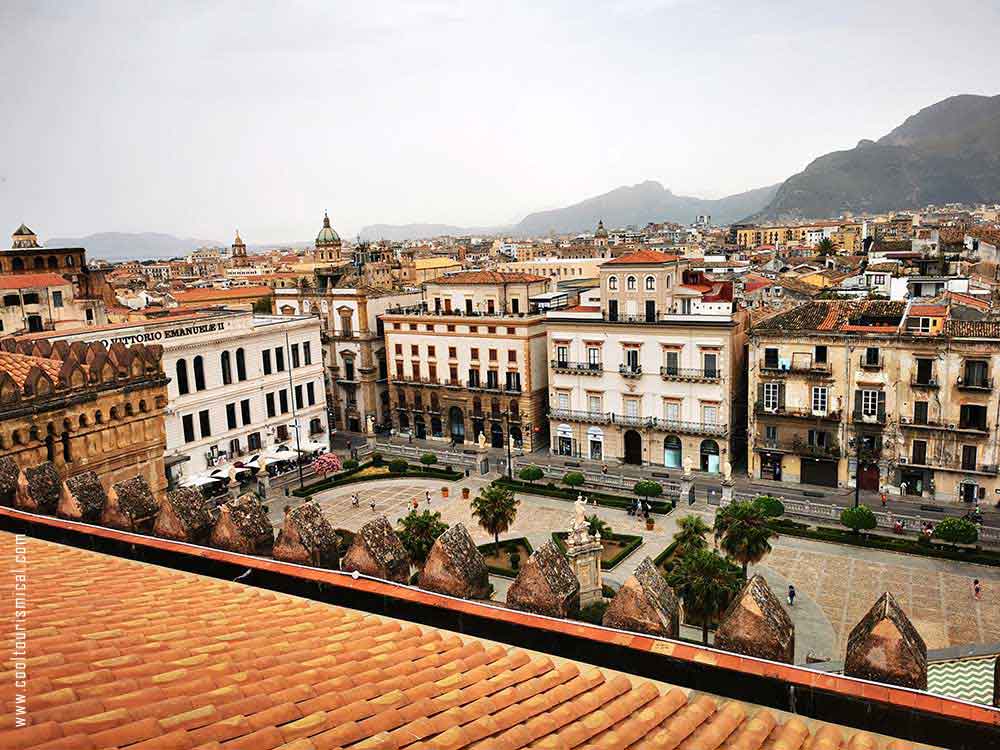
[(515, 435), (868, 477), (404, 420), (419, 428), (436, 429), (496, 435), (672, 452), (633, 448), (710, 456), (595, 438), (456, 425)]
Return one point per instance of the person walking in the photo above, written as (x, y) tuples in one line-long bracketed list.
[(427, 496), (977, 590), (355, 501), (373, 506), (791, 595), (884, 499)]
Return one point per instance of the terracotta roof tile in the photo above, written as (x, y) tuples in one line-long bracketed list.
[(32, 280), (151, 640), (488, 277), (641, 257)]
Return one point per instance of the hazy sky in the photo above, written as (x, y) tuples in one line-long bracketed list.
[(195, 118)]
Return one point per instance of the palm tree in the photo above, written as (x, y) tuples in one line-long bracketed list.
[(596, 525), (495, 508), (418, 532), (691, 533), (826, 247), (743, 532), (706, 583)]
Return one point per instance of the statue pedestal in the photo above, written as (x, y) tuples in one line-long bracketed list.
[(264, 485), (684, 494), (234, 490), (728, 485), (583, 552)]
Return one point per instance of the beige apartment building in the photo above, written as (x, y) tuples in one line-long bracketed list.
[(469, 360), (896, 395), (653, 374)]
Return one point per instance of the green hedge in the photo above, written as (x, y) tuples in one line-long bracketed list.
[(922, 546), (632, 543), (347, 477), (608, 501), (507, 545)]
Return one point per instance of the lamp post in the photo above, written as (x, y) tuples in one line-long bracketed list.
[(295, 418)]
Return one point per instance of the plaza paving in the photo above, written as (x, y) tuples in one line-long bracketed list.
[(836, 584)]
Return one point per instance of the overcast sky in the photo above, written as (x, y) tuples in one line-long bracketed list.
[(195, 118)]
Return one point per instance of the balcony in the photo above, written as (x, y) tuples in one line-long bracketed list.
[(860, 417), (690, 374), (630, 371), (488, 387), (795, 412), (930, 383), (512, 388), (653, 423), (590, 417), (453, 384), (927, 425), (979, 384), (871, 364), (576, 368), (689, 428), (799, 447), (414, 380), (774, 369), (424, 310)]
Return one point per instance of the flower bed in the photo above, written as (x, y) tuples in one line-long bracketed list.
[(616, 547), (624, 502), (500, 564), (369, 471), (664, 561), (922, 546)]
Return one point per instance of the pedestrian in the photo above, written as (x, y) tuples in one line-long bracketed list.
[(427, 496), (604, 469), (416, 504), (977, 590), (791, 595), (355, 501), (373, 506), (883, 499), (902, 488)]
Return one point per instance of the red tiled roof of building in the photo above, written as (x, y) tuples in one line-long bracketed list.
[(19, 365), (32, 280), (488, 277), (929, 311), (211, 295), (582, 308), (128, 654), (968, 299), (989, 235), (642, 258), (752, 282)]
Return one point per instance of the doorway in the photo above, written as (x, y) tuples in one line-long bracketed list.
[(710, 456), (496, 435), (456, 425), (633, 448), (868, 477)]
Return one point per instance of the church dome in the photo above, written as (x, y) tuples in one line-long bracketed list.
[(326, 235)]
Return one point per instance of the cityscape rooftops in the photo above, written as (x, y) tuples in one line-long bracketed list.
[(642, 258), (32, 280), (488, 277)]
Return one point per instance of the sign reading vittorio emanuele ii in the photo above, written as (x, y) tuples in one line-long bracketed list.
[(153, 337)]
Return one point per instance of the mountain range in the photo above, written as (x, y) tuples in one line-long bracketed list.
[(131, 246)]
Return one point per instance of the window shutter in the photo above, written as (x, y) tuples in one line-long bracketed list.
[(760, 394), (881, 406), (857, 404), (781, 396)]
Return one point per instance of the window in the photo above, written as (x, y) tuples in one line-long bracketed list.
[(199, 373), (414, 350), (182, 377), (266, 361), (593, 356), (630, 283), (473, 378), (514, 382), (492, 379), (924, 325), (245, 411), (820, 355), (711, 363), (920, 412), (241, 365), (311, 393), (872, 356), (298, 396), (672, 410), (452, 352), (771, 433), (231, 416), (650, 284), (631, 407), (493, 355), (925, 370), (771, 358), (283, 400), (432, 372), (594, 404), (279, 359), (188, 421), (869, 403), (819, 399), (205, 423), (975, 373), (57, 299), (819, 438), (563, 400), (918, 452), (562, 355), (269, 401), (491, 329), (972, 417), (296, 362), (969, 457), (710, 413), (234, 447), (632, 359), (227, 370), (672, 361), (512, 356), (613, 282), (771, 396), (431, 351), (253, 441)]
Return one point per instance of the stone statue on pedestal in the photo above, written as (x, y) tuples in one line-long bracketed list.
[(688, 463), (481, 441)]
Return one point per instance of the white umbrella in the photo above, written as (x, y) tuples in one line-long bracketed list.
[(310, 446), (198, 481)]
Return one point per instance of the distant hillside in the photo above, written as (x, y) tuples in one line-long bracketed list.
[(948, 152), (635, 204), (124, 246), (640, 204)]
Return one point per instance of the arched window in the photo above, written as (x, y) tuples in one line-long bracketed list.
[(227, 369), (650, 283), (53, 262), (17, 264), (514, 410), (612, 282), (129, 409), (40, 263), (67, 455), (241, 365), (669, 281), (182, 377), (70, 262), (142, 405), (199, 373), (630, 283), (98, 417)]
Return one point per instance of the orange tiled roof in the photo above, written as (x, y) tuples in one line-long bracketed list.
[(31, 280), (206, 295), (929, 311), (488, 277), (583, 308), (125, 654), (19, 365), (642, 257)]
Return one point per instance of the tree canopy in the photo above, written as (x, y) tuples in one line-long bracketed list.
[(706, 582), (419, 531), (495, 509)]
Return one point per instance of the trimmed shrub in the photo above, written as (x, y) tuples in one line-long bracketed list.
[(530, 474), (398, 466), (573, 479), (351, 464), (770, 506), (857, 519), (550, 489), (428, 458), (376, 459), (648, 488), (956, 531)]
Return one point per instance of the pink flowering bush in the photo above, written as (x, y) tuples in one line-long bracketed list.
[(328, 463)]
